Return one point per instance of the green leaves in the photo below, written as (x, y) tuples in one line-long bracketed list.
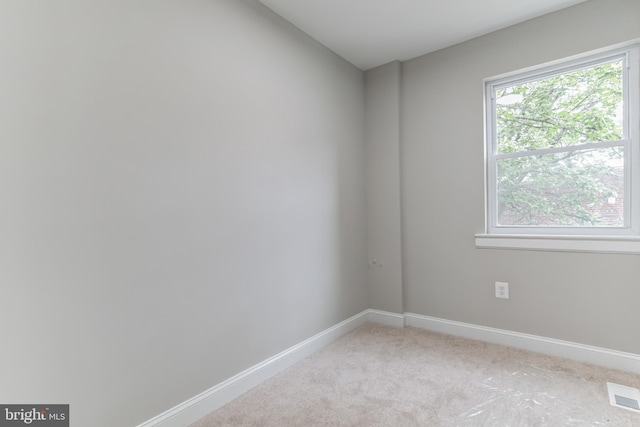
[(574, 108), (565, 186), (561, 189)]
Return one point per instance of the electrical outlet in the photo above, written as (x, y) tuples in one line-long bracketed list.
[(502, 290)]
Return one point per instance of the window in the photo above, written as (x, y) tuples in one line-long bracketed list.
[(563, 151)]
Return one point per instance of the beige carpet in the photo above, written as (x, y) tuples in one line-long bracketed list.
[(383, 376)]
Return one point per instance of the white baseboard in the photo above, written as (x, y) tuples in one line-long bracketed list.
[(386, 318), (584, 353), (208, 401)]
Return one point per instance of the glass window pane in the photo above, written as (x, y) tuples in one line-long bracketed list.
[(574, 108), (583, 188)]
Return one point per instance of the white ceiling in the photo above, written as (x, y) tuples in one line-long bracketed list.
[(369, 33)]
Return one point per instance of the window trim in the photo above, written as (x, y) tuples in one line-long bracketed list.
[(537, 242), (581, 239)]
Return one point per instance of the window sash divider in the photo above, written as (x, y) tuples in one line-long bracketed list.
[(566, 149)]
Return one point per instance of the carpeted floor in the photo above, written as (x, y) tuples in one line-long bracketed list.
[(383, 376)]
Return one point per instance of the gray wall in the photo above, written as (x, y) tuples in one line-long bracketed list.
[(585, 298), (182, 196), (383, 199)]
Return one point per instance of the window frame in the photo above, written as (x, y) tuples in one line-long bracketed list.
[(630, 53)]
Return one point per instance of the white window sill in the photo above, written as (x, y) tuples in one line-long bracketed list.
[(600, 244)]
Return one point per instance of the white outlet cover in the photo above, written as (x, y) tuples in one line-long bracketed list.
[(502, 290)]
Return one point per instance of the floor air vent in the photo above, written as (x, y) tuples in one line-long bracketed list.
[(624, 397)]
